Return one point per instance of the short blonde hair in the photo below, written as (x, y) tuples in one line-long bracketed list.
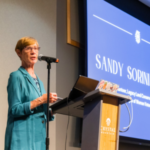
[(24, 42)]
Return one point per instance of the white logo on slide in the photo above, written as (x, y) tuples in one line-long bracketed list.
[(137, 36), (108, 121)]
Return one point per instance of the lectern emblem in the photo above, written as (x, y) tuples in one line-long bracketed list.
[(137, 36), (108, 121)]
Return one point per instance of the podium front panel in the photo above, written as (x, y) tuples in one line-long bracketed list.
[(101, 124), (109, 124)]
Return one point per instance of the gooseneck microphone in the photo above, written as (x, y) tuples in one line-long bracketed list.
[(48, 59)]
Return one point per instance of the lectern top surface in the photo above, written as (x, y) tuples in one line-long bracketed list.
[(122, 98)]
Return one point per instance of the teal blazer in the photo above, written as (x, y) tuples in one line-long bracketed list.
[(26, 129)]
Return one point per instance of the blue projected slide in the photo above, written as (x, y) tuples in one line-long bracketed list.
[(119, 51)]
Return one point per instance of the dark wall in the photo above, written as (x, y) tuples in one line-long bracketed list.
[(134, 8), (67, 73), (127, 146), (68, 68), (72, 59)]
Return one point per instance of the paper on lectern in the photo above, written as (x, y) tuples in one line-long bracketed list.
[(109, 86)]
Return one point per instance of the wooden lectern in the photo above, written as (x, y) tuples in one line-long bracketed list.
[(100, 111)]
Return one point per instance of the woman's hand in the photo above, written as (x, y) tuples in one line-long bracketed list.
[(52, 98), (42, 100)]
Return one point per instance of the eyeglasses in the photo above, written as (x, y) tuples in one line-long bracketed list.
[(32, 48)]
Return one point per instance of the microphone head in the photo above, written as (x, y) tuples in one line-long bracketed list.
[(39, 57), (57, 60)]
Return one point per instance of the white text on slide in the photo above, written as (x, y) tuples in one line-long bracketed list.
[(116, 67)]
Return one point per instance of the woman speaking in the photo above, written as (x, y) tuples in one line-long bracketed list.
[(26, 124)]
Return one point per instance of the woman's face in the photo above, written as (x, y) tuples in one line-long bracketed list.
[(29, 54)]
